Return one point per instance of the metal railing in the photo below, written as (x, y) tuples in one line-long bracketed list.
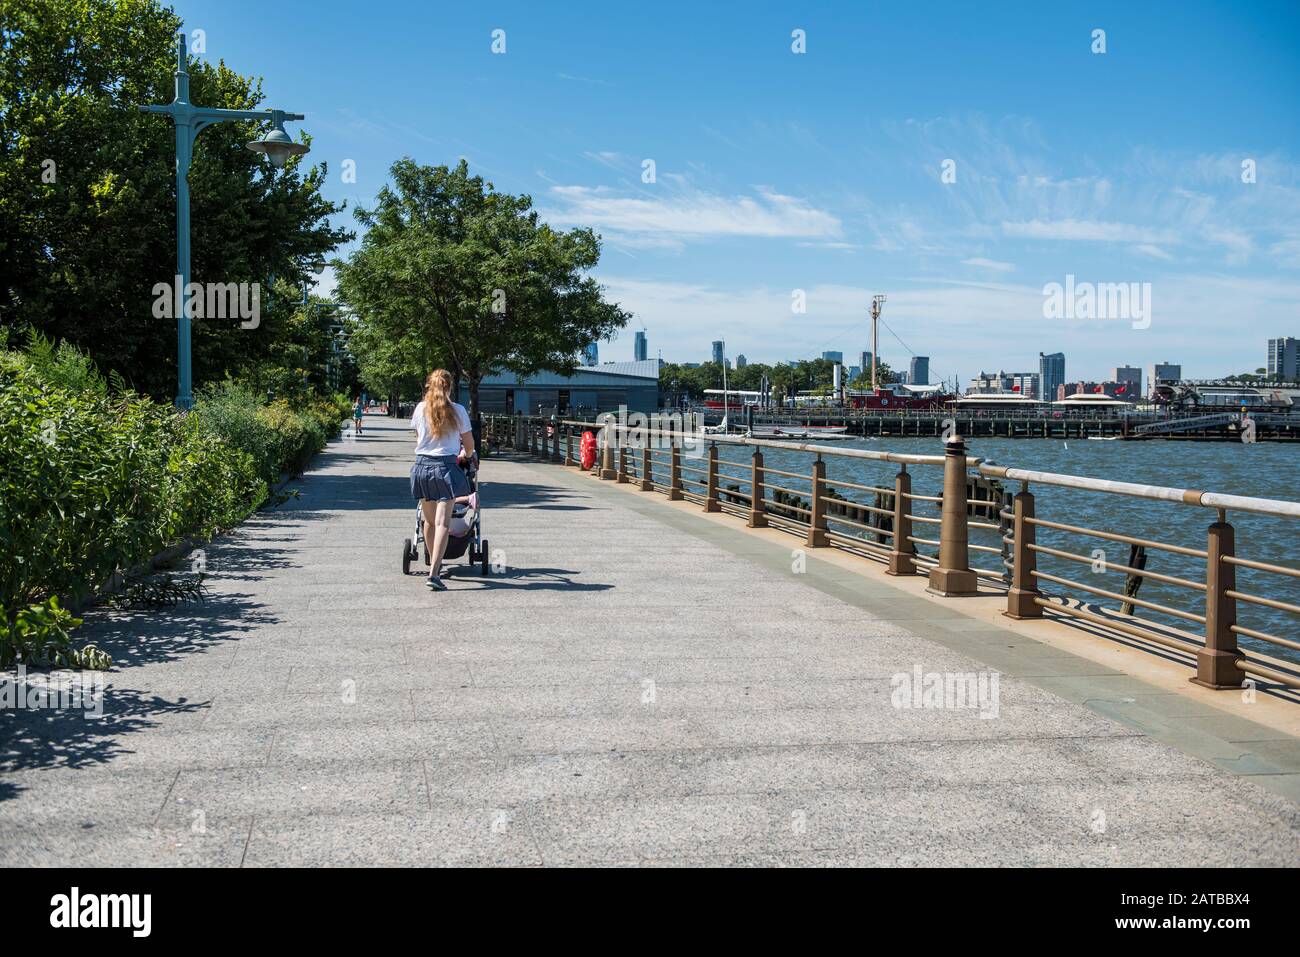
[(824, 512)]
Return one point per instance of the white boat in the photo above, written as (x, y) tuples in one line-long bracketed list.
[(800, 433)]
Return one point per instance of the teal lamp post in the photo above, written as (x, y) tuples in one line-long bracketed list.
[(190, 120)]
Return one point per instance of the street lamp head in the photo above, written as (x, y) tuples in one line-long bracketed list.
[(277, 146)]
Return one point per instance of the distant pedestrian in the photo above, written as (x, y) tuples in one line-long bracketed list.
[(358, 410)]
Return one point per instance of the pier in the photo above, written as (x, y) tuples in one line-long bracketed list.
[(642, 679), (1215, 427)]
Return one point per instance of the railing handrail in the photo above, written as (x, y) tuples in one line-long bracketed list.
[(898, 457), (1216, 500), (1236, 503)]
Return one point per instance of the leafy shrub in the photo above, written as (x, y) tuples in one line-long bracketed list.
[(94, 480), (92, 483), (40, 636), (295, 437)]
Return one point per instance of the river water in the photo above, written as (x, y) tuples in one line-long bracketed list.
[(1264, 470)]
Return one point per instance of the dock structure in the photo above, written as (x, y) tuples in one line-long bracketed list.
[(644, 679), (1218, 426)]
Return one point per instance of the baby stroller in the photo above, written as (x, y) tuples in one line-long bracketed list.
[(463, 535)]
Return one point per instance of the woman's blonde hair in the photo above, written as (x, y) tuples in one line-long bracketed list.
[(437, 403)]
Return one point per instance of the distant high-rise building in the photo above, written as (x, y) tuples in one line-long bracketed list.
[(1051, 375), (639, 346), (741, 361), (591, 355), (1284, 358), (1133, 374), (718, 350), (864, 360), (1159, 372), (854, 372), (905, 378), (1026, 383), (833, 356), (918, 371)]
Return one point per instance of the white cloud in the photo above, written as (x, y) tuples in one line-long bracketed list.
[(1152, 252), (992, 264), (694, 214), (1085, 230)]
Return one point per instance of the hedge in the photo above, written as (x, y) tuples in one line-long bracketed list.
[(94, 480)]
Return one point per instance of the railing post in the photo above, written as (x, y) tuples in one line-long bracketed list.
[(647, 479), (900, 557), (568, 446), (1216, 663), (1024, 560), (607, 454), (757, 510), (711, 483), (817, 520), (519, 432), (622, 462), (555, 443), (952, 576), (675, 473)]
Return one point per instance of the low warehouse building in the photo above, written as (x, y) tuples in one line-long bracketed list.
[(586, 391)]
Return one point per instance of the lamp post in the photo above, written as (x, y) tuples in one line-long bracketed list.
[(190, 120)]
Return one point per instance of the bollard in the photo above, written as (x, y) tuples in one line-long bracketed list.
[(1216, 663), (606, 470), (817, 520), (903, 552), (1024, 586), (757, 509), (953, 577), (675, 473), (647, 479), (711, 481)]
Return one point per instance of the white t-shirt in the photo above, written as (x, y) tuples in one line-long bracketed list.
[(446, 444)]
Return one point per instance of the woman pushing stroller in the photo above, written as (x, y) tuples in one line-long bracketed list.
[(443, 441)]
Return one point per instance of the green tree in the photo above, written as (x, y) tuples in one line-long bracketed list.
[(388, 365), (87, 191), (472, 273)]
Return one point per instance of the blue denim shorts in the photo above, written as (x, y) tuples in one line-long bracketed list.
[(437, 479)]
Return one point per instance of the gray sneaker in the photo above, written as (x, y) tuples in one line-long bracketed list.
[(435, 584)]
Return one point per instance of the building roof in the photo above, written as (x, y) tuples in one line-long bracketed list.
[(644, 372)]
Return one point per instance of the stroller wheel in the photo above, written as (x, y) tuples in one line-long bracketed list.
[(407, 550), (483, 558)]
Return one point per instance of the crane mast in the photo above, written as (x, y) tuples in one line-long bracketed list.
[(875, 337)]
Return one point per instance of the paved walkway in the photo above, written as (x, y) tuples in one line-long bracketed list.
[(633, 688)]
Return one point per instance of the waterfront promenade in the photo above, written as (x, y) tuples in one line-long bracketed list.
[(638, 684)]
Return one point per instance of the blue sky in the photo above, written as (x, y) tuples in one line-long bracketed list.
[(822, 171)]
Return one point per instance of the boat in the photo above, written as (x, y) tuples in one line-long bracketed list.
[(800, 433)]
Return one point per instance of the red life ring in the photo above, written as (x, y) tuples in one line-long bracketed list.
[(587, 449)]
